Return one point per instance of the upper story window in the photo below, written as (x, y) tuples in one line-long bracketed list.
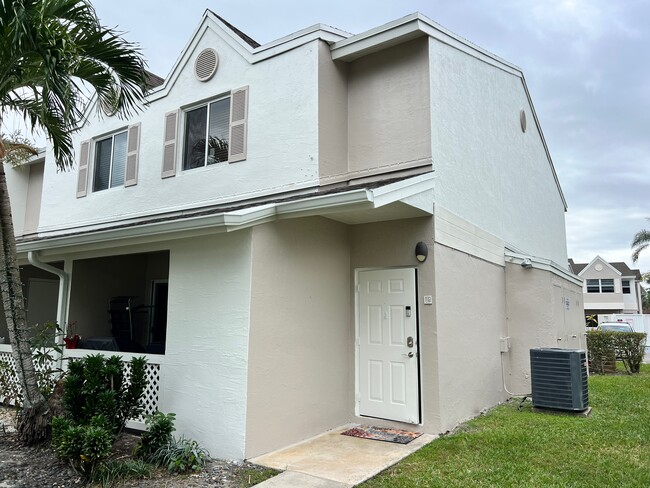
[(110, 161), (206, 134), (626, 287), (210, 133), (600, 286)]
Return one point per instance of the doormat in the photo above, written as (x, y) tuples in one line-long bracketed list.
[(382, 434)]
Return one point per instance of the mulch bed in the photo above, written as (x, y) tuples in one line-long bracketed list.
[(37, 466)]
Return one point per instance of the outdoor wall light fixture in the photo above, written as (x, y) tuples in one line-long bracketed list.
[(527, 263), (421, 251)]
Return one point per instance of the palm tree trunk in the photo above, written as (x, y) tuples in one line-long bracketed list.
[(33, 424)]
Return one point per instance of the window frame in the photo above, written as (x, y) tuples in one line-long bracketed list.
[(628, 287), (598, 287), (94, 142), (183, 130)]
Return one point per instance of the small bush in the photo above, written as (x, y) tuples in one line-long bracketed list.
[(181, 455), (158, 434), (96, 386), (605, 346), (97, 401), (113, 472), (84, 446)]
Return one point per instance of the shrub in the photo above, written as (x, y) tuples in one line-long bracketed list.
[(158, 434), (97, 402), (181, 455), (601, 351), (96, 386), (605, 346), (631, 349), (84, 446)]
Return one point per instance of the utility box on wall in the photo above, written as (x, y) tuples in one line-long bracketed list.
[(559, 378)]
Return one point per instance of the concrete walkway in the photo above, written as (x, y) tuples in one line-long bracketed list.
[(332, 460)]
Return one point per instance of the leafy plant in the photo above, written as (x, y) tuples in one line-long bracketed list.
[(43, 347), (84, 446), (158, 434), (181, 455), (97, 400), (605, 346), (113, 471), (96, 385)]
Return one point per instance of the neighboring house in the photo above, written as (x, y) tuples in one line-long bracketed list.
[(270, 274), (609, 288)]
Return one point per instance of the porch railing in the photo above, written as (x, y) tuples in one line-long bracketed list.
[(150, 397)]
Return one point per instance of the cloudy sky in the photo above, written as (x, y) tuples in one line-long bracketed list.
[(585, 62)]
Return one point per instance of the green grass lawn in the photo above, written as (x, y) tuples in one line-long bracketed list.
[(510, 448)]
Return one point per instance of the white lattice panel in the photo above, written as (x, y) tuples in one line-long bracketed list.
[(149, 397), (9, 376)]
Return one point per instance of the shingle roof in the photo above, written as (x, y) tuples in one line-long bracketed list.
[(623, 268), (153, 81), (249, 40)]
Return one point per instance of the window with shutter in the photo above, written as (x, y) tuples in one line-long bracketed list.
[(132, 155), (110, 161), (82, 175), (169, 144), (238, 125)]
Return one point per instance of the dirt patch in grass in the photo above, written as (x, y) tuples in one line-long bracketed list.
[(28, 467)]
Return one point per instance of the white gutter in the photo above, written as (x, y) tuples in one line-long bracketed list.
[(544, 264), (62, 303), (246, 217)]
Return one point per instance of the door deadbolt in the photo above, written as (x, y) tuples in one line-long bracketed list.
[(408, 311), (409, 341)]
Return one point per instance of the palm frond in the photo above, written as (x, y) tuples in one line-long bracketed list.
[(640, 243)]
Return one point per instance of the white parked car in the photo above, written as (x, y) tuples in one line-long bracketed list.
[(615, 327)]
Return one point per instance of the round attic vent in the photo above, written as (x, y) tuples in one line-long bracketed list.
[(205, 65), (522, 120), (598, 267)]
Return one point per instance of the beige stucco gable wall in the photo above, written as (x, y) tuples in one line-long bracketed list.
[(300, 337), (543, 310)]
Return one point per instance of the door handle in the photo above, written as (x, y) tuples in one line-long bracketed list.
[(409, 355)]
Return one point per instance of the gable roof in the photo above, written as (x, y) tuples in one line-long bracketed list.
[(619, 266), (249, 40)]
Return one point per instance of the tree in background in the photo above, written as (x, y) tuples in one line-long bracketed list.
[(640, 243), (54, 54)]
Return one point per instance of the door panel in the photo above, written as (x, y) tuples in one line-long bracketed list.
[(386, 358)]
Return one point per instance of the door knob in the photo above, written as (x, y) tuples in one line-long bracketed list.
[(409, 355)]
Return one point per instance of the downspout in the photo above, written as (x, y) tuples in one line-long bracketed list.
[(61, 308)]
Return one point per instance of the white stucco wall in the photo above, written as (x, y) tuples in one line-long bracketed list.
[(204, 376), (282, 141), (488, 171), (17, 185)]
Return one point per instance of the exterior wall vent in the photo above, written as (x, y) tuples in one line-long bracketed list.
[(206, 64), (522, 120), (559, 378)]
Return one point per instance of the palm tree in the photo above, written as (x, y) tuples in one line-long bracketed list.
[(54, 54), (640, 242)]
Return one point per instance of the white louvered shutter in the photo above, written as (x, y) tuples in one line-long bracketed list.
[(238, 124), (132, 155), (82, 174), (169, 145), (617, 286)]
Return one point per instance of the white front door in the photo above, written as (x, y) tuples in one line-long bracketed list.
[(387, 345)]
